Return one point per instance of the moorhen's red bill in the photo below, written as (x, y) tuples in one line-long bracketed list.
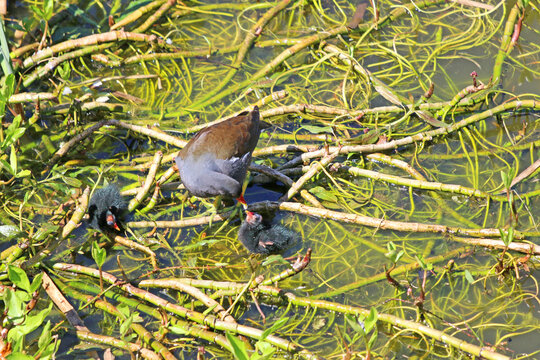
[(260, 238), (106, 210), (215, 161)]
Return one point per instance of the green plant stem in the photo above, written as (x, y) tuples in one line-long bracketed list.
[(310, 41), (191, 329), (192, 291), (121, 344), (396, 271), (455, 342), (111, 309), (197, 317), (92, 41), (134, 15), (443, 206), (394, 144), (251, 35), (505, 47), (357, 311), (154, 17), (422, 184), (375, 222), (52, 64)]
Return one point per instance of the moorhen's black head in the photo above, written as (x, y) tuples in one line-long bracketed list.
[(106, 210), (261, 238), (215, 161)]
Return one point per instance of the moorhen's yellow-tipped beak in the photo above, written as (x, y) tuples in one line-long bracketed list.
[(242, 201)]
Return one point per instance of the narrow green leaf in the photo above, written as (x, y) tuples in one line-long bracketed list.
[(49, 351), (6, 166), (45, 337), (37, 10), (504, 177), (98, 254), (126, 325), (317, 129), (238, 347), (371, 320), (265, 351), (503, 235), (277, 325), (373, 338), (18, 277), (19, 356), (124, 310), (274, 259), (64, 71), (510, 235), (469, 276), (48, 9), (45, 230), (353, 322), (36, 283), (23, 173), (13, 304), (13, 159), (424, 265), (387, 93), (12, 134), (177, 330), (393, 254), (438, 35), (31, 322), (8, 86), (73, 182), (210, 309), (323, 194), (430, 119)]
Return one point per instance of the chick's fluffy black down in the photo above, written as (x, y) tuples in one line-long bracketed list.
[(107, 198)]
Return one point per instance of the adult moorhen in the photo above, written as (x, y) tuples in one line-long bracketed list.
[(106, 210), (261, 238), (215, 161)]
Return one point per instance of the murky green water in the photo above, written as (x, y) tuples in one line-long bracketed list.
[(465, 296)]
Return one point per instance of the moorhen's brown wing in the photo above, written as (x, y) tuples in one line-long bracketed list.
[(234, 137), (215, 161)]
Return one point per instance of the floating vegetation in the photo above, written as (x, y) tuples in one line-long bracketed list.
[(402, 152)]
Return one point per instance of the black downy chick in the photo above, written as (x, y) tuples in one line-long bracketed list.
[(261, 238), (106, 210)]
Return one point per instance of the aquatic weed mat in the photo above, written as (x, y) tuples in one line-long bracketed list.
[(403, 151)]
